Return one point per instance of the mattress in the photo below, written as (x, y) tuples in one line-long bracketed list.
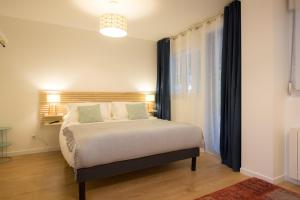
[(108, 142)]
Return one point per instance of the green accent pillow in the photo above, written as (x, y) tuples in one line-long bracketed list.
[(89, 114), (137, 111)]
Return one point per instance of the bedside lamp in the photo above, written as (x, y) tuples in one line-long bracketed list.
[(53, 99), (150, 99)]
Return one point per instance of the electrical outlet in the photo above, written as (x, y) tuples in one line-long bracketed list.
[(37, 137)]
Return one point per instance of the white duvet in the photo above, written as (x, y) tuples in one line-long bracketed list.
[(107, 142)]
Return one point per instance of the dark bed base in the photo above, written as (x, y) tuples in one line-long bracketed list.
[(107, 170)]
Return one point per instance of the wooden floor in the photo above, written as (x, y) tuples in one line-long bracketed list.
[(46, 176)]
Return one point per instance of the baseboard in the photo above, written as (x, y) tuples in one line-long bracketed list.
[(278, 179), (251, 173), (294, 181), (33, 151), (214, 155)]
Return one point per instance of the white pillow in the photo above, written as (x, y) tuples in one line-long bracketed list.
[(119, 110), (105, 108)]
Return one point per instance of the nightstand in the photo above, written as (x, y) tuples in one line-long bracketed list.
[(53, 120), (4, 144)]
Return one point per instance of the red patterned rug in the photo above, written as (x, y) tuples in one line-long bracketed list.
[(252, 189)]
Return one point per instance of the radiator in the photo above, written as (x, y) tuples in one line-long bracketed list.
[(294, 154)]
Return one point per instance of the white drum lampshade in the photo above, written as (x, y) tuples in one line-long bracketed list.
[(113, 25)]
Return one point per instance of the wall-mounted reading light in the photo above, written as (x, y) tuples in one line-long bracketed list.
[(53, 98), (150, 99), (3, 40)]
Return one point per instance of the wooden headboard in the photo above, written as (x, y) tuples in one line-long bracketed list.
[(80, 97)]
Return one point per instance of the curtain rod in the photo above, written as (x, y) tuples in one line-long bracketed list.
[(198, 25)]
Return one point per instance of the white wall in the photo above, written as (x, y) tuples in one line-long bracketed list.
[(49, 57), (265, 67)]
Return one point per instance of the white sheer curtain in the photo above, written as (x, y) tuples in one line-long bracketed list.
[(196, 80), (185, 78)]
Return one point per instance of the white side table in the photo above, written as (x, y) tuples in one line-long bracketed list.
[(4, 144)]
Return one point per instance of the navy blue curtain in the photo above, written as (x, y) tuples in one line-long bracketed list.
[(230, 132), (163, 99)]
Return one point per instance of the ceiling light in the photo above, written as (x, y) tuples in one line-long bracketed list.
[(113, 25)]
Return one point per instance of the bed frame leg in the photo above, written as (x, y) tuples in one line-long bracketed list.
[(81, 188), (194, 164)]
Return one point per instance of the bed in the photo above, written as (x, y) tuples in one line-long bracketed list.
[(120, 145)]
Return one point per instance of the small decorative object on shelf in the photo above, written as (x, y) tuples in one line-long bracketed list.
[(4, 144)]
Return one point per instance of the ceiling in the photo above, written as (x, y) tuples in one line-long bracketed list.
[(147, 19)]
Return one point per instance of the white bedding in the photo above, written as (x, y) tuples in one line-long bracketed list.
[(107, 142)]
